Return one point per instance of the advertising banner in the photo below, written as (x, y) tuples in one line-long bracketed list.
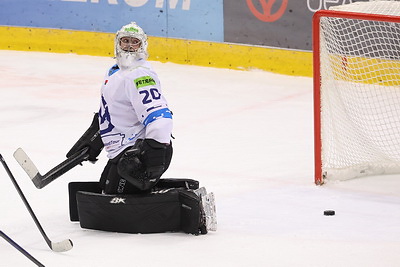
[(189, 19), (275, 23), (272, 23)]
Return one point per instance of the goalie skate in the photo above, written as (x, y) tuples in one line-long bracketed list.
[(208, 205)]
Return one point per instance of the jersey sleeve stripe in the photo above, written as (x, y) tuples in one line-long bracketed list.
[(161, 113)]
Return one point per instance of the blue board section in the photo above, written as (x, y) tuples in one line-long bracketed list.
[(187, 19)]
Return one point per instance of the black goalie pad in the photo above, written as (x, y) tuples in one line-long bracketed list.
[(141, 213), (73, 188), (176, 183), (171, 207)]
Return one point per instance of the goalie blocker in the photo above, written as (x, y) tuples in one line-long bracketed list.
[(172, 206)]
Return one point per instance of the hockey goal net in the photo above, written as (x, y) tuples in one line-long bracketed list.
[(357, 90)]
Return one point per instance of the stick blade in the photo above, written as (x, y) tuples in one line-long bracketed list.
[(62, 246), (26, 163)]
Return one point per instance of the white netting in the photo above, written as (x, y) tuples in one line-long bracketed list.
[(360, 92), (373, 7)]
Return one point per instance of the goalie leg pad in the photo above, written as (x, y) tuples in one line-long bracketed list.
[(73, 188), (182, 183), (141, 213), (165, 210), (192, 214)]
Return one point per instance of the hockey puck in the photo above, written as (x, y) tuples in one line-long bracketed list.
[(329, 212)]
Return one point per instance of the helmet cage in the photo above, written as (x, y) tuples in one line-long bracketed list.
[(126, 58)]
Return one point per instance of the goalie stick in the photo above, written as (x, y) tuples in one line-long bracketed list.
[(41, 181), (61, 246), (20, 249)]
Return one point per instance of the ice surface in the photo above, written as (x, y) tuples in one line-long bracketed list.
[(246, 136)]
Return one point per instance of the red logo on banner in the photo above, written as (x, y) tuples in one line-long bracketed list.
[(266, 5)]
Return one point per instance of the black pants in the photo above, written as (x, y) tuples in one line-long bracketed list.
[(112, 183)]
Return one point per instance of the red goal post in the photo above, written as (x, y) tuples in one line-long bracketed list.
[(341, 77)]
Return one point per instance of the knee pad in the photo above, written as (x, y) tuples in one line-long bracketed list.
[(131, 168)]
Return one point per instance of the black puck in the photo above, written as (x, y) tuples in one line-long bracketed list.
[(329, 212)]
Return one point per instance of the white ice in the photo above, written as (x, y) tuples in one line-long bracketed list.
[(245, 135)]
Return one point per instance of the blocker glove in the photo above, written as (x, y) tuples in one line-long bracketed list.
[(91, 139)]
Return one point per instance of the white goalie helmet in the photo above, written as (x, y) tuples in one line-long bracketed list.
[(130, 45)]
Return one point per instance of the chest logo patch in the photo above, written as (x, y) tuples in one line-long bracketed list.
[(144, 81)]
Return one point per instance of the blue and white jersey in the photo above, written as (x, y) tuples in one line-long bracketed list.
[(132, 106)]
